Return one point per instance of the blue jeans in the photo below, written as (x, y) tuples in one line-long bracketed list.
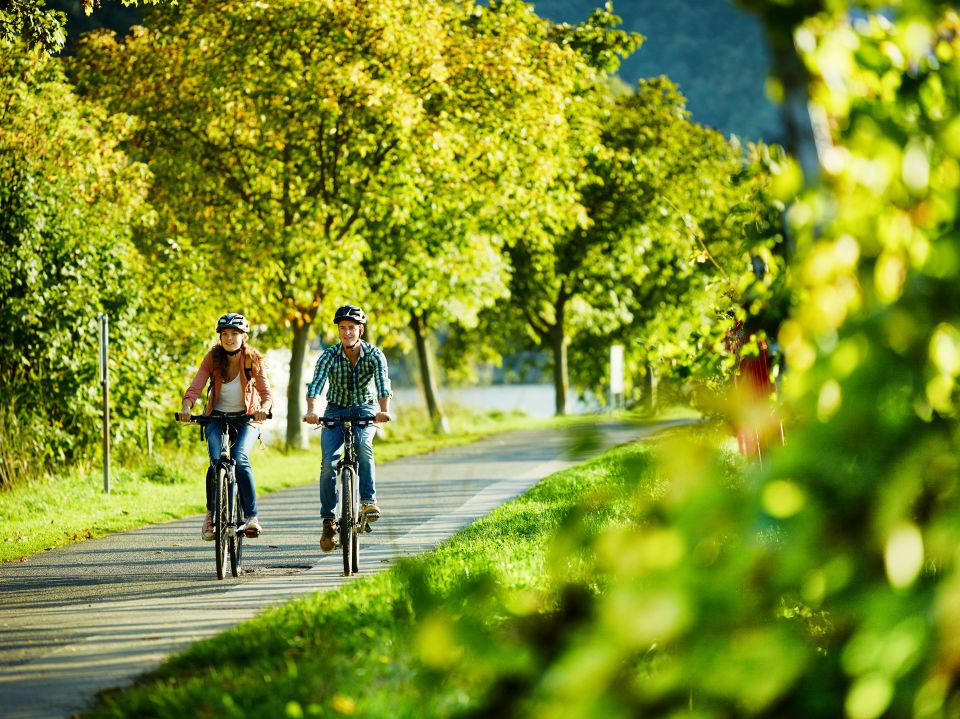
[(331, 446), (243, 442)]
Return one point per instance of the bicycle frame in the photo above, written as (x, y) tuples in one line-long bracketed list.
[(227, 514)]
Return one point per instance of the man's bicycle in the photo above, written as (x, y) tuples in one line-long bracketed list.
[(227, 513), (350, 523)]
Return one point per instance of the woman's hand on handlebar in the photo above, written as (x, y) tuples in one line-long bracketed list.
[(183, 416), (259, 415)]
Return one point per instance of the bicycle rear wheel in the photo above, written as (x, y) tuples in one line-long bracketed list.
[(221, 522), (236, 541)]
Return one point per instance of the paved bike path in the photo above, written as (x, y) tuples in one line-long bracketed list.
[(98, 614)]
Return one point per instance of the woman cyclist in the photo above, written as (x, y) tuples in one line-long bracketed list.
[(238, 385)]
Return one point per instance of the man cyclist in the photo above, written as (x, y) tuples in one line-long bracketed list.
[(349, 367)]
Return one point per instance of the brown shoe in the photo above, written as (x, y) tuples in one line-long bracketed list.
[(326, 537), (371, 511)]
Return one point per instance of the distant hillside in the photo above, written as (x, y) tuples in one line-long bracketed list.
[(714, 51)]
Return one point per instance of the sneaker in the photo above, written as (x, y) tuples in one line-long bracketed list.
[(326, 537), (371, 511), (206, 534), (251, 528)]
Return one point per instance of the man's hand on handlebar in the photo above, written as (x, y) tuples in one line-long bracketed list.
[(382, 417), (311, 418)]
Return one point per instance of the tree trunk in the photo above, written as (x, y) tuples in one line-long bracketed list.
[(779, 22), (295, 437), (428, 376), (801, 140), (561, 383), (650, 389)]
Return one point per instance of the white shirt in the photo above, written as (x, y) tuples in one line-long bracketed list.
[(230, 398)]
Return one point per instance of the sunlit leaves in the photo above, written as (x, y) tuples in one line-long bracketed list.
[(69, 200)]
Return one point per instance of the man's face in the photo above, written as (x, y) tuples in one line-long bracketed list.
[(350, 332)]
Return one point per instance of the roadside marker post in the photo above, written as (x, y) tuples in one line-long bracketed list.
[(105, 384)]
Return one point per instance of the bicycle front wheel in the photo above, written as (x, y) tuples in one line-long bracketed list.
[(236, 541), (221, 521), (356, 526), (348, 512)]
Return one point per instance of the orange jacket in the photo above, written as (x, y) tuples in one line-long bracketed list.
[(256, 394)]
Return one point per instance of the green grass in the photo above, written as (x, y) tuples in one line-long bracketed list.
[(72, 506), (380, 646)]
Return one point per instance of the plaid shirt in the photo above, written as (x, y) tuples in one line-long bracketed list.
[(350, 386)]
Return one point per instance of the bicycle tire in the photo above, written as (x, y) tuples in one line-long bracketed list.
[(236, 541), (221, 522), (346, 519), (355, 529)]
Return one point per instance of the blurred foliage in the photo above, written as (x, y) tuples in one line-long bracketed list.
[(826, 585)]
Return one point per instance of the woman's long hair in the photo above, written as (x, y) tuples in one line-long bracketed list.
[(221, 360)]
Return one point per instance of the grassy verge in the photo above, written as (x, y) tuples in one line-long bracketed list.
[(72, 506), (379, 646)]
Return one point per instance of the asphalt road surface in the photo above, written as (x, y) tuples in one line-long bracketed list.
[(97, 614)]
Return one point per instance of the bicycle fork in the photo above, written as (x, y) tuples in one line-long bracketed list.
[(231, 467)]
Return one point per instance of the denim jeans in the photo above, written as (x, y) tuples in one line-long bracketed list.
[(331, 446), (243, 442)]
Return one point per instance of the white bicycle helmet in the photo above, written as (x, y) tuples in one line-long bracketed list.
[(235, 321)]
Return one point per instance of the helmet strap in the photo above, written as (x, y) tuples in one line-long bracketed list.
[(231, 354)]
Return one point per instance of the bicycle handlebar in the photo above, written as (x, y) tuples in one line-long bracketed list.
[(356, 421), (204, 419)]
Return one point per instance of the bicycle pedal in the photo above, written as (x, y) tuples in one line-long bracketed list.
[(367, 528)]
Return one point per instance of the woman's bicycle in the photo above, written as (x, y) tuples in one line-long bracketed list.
[(227, 513), (350, 523)]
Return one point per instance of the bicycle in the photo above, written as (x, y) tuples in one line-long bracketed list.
[(227, 513), (350, 523)]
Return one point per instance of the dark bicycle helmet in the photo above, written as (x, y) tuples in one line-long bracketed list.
[(350, 312), (235, 321)]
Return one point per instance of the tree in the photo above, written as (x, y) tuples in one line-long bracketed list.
[(69, 199), (281, 126), (438, 256), (38, 25), (790, 78), (632, 256)]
